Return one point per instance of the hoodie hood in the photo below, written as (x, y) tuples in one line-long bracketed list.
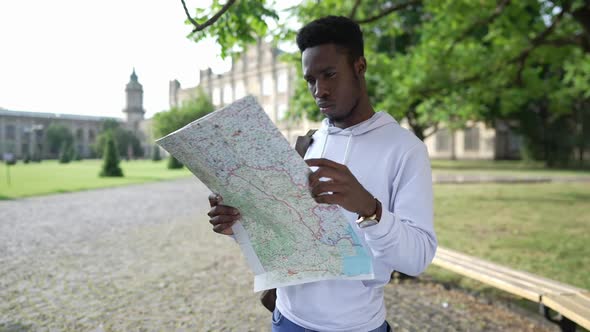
[(327, 129), (378, 120)]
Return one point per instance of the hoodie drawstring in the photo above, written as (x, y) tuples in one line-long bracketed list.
[(346, 151), (325, 143)]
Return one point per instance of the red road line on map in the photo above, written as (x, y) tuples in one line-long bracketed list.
[(284, 202)]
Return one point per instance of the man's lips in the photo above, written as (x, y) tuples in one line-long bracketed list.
[(325, 107)]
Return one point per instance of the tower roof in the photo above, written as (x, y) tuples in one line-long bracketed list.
[(133, 76), (133, 82)]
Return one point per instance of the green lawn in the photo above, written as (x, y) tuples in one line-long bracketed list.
[(50, 177), (540, 228), (505, 167)]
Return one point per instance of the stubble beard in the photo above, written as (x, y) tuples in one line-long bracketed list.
[(349, 113)]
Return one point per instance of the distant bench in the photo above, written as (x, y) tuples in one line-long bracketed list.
[(572, 304)]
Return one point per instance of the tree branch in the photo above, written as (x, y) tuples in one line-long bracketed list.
[(487, 21), (536, 42), (387, 11), (213, 19), (576, 40), (354, 8), (433, 131)]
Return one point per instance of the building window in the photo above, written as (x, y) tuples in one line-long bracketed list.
[(216, 96), (252, 60), (269, 110), (443, 140), (267, 85), (282, 83), (10, 147), (79, 134), (91, 136), (38, 132), (26, 136), (471, 139), (240, 90), (10, 132), (281, 112), (227, 93)]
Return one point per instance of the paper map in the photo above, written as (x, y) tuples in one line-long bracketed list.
[(286, 237)]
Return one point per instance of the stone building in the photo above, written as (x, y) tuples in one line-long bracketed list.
[(25, 133), (477, 141), (260, 73)]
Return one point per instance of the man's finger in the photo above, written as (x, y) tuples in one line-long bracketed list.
[(323, 162), (324, 172), (223, 219), (223, 210), (223, 228), (326, 187), (215, 199), (328, 199)]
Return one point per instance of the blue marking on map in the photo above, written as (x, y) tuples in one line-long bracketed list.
[(359, 263)]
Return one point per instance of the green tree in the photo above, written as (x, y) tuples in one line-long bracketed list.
[(58, 136), (235, 24), (156, 153), (76, 155), (124, 138), (177, 117), (66, 153), (110, 165), (449, 62)]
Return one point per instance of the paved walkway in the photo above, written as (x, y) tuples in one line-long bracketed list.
[(143, 258)]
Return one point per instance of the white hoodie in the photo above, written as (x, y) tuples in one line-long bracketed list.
[(393, 165)]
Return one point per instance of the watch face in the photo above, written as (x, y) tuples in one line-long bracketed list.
[(367, 223)]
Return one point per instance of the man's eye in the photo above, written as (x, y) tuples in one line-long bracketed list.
[(310, 81), (330, 74)]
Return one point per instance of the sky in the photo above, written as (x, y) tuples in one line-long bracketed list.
[(76, 56)]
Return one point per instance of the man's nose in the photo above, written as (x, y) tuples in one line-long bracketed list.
[(321, 89)]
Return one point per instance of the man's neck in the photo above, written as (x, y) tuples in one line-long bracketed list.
[(362, 112)]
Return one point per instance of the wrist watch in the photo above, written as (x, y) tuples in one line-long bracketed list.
[(364, 221)]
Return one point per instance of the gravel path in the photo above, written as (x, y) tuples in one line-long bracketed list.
[(143, 258)]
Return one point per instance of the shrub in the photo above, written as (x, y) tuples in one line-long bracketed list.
[(66, 153), (156, 154), (110, 157), (173, 163)]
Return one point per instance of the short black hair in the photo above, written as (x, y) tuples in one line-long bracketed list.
[(338, 30)]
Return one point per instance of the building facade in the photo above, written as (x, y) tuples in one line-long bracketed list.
[(476, 141), (25, 133)]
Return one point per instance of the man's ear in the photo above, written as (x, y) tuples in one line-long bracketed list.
[(360, 66)]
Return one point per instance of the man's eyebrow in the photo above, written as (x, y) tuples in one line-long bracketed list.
[(329, 68), (321, 71)]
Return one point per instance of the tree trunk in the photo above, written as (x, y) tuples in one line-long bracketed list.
[(581, 133), (546, 152), (413, 122), (453, 150)]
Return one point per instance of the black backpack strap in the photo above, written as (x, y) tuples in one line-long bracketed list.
[(303, 142)]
